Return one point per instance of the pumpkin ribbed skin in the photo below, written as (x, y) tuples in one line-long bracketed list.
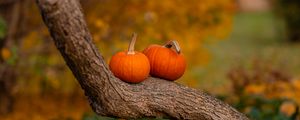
[(132, 68), (165, 62)]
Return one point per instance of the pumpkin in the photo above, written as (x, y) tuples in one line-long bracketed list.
[(166, 61), (130, 66)]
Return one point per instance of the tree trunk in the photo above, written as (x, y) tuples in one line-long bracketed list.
[(109, 96)]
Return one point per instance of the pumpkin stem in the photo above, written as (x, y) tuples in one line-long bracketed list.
[(131, 44), (173, 44)]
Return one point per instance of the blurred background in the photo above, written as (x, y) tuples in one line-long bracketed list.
[(245, 52)]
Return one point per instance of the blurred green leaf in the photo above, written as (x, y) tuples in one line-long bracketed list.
[(12, 60), (255, 113)]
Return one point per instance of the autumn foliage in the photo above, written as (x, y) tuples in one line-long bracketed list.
[(259, 89), (190, 23), (42, 70), (264, 91)]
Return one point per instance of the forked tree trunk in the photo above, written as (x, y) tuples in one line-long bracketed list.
[(109, 96)]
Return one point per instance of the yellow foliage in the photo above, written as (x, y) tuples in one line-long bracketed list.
[(190, 23), (281, 89), (6, 53), (52, 78), (54, 107), (112, 23), (276, 89), (30, 41), (296, 84), (255, 89), (288, 108), (42, 70)]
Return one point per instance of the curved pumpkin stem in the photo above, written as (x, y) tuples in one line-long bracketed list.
[(174, 44), (131, 44)]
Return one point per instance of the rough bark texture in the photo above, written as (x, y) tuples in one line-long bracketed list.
[(109, 96)]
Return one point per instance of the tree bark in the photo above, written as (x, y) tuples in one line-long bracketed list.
[(109, 96)]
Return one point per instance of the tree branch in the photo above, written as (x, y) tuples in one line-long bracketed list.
[(109, 96)]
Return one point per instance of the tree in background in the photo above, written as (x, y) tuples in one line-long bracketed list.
[(289, 10)]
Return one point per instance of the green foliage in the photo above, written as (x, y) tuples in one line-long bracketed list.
[(260, 108), (12, 60), (264, 92)]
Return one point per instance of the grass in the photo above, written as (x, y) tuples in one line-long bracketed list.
[(254, 36)]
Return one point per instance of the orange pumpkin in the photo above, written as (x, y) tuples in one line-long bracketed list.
[(130, 66), (165, 62)]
